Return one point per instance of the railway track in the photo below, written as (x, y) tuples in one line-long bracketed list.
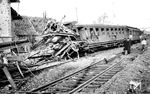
[(98, 80), (90, 77)]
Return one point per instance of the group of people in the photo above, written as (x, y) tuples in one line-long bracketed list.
[(127, 45)]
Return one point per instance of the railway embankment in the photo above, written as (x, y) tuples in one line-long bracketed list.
[(136, 71), (52, 74)]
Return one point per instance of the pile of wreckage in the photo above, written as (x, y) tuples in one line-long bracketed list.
[(54, 43)]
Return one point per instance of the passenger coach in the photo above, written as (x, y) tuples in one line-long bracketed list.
[(97, 35)]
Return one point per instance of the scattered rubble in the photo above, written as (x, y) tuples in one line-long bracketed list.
[(50, 75)]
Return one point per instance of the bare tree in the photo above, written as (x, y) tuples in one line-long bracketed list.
[(102, 19)]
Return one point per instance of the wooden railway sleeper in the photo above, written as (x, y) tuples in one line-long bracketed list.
[(66, 77), (80, 87), (93, 86)]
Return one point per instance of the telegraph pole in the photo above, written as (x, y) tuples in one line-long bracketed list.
[(76, 14)]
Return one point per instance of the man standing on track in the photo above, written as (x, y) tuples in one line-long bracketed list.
[(144, 43), (127, 46)]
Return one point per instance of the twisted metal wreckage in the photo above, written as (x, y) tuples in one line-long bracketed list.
[(59, 41)]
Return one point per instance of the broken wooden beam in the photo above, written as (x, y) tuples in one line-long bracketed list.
[(62, 49), (12, 44), (11, 81)]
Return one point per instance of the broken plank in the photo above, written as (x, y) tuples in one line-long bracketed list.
[(9, 78)]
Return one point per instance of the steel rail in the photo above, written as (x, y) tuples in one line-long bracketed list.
[(58, 80), (80, 87)]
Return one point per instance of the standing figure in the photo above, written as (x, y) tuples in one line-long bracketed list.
[(144, 43), (130, 37), (127, 46)]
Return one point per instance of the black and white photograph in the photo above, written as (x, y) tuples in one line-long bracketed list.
[(74, 47)]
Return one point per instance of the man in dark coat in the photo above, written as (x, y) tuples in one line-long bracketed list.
[(127, 46)]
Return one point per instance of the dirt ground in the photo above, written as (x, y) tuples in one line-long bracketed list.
[(136, 69)]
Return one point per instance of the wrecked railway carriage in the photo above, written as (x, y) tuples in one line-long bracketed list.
[(83, 38), (97, 36)]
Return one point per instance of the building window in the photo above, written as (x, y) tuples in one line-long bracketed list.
[(102, 29), (119, 29), (85, 28), (115, 29), (122, 29)]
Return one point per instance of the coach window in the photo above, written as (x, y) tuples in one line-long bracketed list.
[(91, 29), (102, 29), (107, 29), (111, 29), (127, 29), (97, 29)]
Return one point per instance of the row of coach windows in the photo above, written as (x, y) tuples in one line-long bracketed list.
[(107, 29)]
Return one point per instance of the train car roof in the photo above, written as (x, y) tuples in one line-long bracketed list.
[(70, 23), (98, 25), (104, 25)]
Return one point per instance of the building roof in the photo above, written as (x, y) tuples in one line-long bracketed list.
[(15, 15), (70, 23), (23, 27)]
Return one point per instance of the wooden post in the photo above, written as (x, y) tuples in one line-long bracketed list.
[(19, 69), (9, 78), (16, 62)]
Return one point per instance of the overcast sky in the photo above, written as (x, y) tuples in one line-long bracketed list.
[(123, 12)]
